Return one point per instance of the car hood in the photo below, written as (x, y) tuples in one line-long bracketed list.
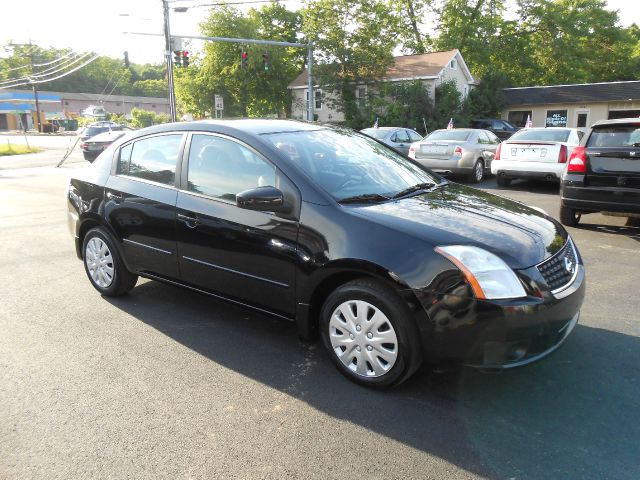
[(457, 215)]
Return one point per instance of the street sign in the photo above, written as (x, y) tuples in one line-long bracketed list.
[(218, 102)]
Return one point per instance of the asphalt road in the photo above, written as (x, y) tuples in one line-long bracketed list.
[(164, 383)]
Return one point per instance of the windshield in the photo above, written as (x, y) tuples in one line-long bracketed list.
[(375, 132), (455, 135), (615, 136), (347, 164), (542, 134)]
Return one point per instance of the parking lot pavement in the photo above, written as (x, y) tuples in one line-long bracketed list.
[(164, 383)]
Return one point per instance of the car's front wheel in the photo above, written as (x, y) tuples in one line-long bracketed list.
[(103, 264), (569, 216), (369, 334)]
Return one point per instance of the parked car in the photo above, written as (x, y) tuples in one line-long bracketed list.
[(390, 263), (500, 128), (99, 127), (603, 173), (94, 146), (538, 153), (458, 151), (396, 137)]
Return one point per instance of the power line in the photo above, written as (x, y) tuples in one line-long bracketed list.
[(48, 71), (31, 81)]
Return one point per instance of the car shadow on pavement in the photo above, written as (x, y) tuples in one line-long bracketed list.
[(631, 232), (575, 414), (531, 186)]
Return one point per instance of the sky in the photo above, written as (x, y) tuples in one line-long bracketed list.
[(91, 25)]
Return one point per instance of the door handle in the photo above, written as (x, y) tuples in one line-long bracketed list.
[(191, 222), (115, 197)]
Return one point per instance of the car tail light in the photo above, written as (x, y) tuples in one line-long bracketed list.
[(578, 160), (498, 150), (457, 152), (562, 154), (83, 145)]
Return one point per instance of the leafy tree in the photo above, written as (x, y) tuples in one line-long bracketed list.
[(488, 98), (353, 45), (246, 92), (448, 105)]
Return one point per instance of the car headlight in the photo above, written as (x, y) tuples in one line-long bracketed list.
[(489, 276)]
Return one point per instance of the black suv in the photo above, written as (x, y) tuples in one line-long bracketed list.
[(603, 173), (500, 128)]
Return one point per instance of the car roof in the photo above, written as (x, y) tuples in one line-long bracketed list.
[(618, 121), (235, 126)]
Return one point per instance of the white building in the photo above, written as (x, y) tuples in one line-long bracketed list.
[(430, 68)]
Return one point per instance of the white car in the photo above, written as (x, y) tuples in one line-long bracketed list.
[(537, 153)]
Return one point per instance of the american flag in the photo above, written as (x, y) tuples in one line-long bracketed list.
[(529, 123), (375, 124), (450, 125)]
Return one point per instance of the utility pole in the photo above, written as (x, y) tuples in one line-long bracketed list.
[(169, 61), (35, 90)]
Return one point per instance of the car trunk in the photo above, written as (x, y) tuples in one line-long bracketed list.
[(613, 157), (442, 149), (531, 151)]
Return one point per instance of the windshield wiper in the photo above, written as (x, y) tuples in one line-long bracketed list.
[(365, 198), (418, 187)]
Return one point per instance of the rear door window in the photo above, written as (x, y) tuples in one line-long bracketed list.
[(152, 158)]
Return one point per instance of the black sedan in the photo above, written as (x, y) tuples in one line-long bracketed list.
[(391, 264), (94, 146)]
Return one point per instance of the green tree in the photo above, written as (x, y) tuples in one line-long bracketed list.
[(253, 91), (448, 105), (488, 98), (353, 45)]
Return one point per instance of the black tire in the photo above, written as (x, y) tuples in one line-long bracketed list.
[(504, 181), (396, 319), (116, 283), (477, 174), (569, 216)]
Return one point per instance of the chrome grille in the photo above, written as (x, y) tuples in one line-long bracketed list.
[(560, 270)]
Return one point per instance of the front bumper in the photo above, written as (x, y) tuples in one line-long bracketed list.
[(500, 334)]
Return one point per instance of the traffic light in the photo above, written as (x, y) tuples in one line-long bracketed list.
[(126, 59), (265, 62), (177, 58), (245, 60), (185, 58)]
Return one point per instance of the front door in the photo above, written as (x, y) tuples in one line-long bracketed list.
[(240, 254)]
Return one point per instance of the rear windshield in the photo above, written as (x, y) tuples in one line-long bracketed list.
[(375, 132), (457, 135), (615, 136), (542, 134)]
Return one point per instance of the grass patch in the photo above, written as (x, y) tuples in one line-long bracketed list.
[(9, 149)]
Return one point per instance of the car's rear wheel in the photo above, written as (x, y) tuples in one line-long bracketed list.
[(369, 334), (569, 216), (103, 264), (477, 174), (504, 181)]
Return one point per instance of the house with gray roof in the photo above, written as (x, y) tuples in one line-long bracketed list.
[(430, 68)]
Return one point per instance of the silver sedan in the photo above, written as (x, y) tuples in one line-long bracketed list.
[(458, 151), (396, 137)]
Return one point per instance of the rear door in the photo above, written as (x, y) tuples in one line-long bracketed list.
[(140, 203), (613, 156)]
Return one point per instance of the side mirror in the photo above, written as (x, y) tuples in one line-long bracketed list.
[(262, 199)]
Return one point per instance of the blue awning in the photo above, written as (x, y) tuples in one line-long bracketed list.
[(16, 108), (28, 97)]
